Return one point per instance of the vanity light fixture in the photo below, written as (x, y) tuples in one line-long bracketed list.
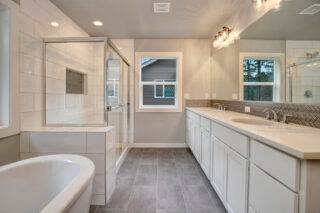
[(98, 23), (258, 3), (221, 37), (266, 4), (54, 24)]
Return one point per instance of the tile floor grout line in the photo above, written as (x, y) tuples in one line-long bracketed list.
[(134, 180), (157, 188), (179, 179)]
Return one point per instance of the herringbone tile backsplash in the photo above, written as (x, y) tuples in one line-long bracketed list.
[(302, 114)]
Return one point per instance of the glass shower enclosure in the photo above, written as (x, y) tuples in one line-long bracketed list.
[(86, 84), (304, 82)]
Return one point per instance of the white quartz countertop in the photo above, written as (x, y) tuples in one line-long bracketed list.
[(300, 141), (68, 129)]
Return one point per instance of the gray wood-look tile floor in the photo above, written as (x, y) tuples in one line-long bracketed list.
[(161, 181)]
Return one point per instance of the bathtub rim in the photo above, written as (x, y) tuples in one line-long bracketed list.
[(65, 199)]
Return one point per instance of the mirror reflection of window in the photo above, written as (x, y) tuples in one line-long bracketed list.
[(258, 78), (261, 76)]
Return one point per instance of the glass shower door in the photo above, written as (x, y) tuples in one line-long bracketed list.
[(116, 99)]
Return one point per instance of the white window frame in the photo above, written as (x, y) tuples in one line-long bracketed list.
[(114, 83), (279, 74), (163, 88), (14, 122), (139, 84)]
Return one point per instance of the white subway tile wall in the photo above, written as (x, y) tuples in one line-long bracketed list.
[(35, 18), (296, 51)]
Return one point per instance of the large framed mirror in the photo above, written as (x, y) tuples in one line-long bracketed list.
[(276, 58)]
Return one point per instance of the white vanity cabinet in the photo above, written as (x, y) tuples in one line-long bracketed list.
[(218, 167), (236, 182), (193, 135), (252, 176), (205, 145), (205, 152), (268, 195), (229, 176)]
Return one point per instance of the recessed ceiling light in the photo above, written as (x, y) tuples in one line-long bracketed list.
[(119, 48), (54, 24), (97, 23), (161, 7)]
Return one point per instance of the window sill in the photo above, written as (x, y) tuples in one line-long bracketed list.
[(147, 109)]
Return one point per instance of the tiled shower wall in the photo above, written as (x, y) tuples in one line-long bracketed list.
[(302, 114), (303, 80), (35, 18), (63, 108)]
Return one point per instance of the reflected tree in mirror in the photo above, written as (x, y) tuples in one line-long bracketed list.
[(258, 78)]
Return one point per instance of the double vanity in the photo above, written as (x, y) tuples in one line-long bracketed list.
[(256, 165)]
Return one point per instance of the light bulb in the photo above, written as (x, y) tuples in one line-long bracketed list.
[(97, 23), (54, 24)]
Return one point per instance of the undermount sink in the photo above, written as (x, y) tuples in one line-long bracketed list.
[(251, 121)]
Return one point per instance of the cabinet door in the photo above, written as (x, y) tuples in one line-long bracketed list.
[(268, 195), (188, 132), (205, 152), (236, 182), (218, 167), (197, 142)]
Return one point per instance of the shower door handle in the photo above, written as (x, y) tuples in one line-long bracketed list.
[(111, 108)]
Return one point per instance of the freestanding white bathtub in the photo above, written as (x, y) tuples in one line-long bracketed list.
[(47, 184)]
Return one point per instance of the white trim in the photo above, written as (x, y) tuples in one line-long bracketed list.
[(279, 77), (122, 158), (159, 145), (14, 123), (163, 87), (139, 107)]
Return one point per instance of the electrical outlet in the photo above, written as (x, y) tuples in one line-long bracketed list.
[(247, 109), (234, 96), (214, 96), (207, 96), (186, 95)]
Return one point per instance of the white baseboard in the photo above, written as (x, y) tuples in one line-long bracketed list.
[(159, 145)]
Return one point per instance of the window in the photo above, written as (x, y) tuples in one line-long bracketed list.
[(5, 82), (260, 76), (112, 85), (9, 69), (159, 82), (164, 91)]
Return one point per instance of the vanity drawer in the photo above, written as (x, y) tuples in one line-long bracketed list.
[(193, 116), (281, 166), (230, 137), (267, 195), (205, 123)]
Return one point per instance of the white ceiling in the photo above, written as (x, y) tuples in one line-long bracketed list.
[(135, 18)]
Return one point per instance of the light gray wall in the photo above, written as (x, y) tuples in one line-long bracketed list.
[(9, 149), (225, 63), (170, 127)]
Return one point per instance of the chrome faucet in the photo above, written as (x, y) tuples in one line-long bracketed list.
[(266, 110), (285, 118), (219, 105), (275, 116)]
